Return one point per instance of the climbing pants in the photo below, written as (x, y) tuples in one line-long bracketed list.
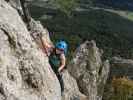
[(59, 76)]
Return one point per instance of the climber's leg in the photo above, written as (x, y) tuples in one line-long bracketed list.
[(59, 76)]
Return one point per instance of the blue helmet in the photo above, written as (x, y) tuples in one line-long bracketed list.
[(62, 45)]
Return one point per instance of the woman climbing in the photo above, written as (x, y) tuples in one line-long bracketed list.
[(57, 60), (56, 56)]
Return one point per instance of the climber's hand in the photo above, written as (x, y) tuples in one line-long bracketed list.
[(60, 70)]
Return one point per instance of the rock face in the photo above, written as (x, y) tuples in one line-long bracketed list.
[(24, 70), (89, 70), (121, 67), (25, 73), (71, 88)]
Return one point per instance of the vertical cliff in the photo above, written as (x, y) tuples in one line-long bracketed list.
[(24, 70)]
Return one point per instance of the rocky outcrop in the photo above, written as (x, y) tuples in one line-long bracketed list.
[(24, 70), (121, 67), (89, 70)]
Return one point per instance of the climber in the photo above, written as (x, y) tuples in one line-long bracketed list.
[(57, 58), (56, 54)]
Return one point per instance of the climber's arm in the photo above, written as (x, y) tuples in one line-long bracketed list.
[(63, 63), (47, 47)]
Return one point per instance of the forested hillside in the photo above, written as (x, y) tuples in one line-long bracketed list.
[(111, 30), (116, 4)]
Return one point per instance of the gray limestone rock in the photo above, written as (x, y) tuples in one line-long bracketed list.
[(89, 70)]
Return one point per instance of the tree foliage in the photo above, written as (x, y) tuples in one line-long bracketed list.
[(66, 6), (123, 88)]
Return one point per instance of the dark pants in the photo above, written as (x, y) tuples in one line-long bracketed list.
[(59, 76)]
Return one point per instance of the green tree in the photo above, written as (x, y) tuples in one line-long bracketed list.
[(123, 88), (66, 6)]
